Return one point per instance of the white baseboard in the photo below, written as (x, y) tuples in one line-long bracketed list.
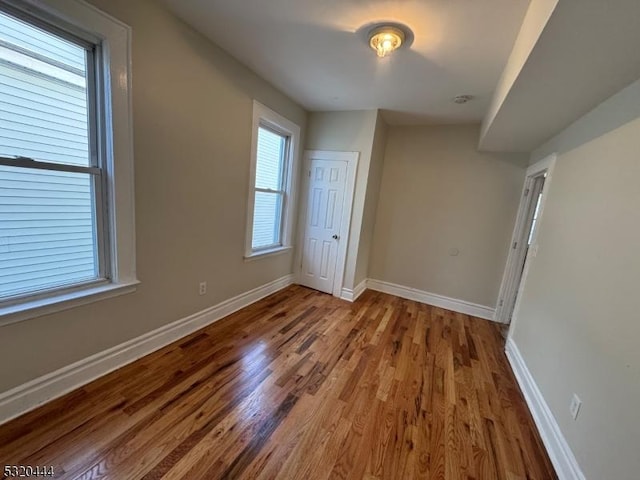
[(434, 299), (560, 453), (41, 390), (351, 295)]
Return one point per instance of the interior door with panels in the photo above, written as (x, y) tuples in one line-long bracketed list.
[(325, 200)]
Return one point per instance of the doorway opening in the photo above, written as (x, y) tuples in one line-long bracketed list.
[(523, 245)]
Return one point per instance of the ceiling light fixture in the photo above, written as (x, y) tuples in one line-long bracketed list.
[(384, 39)]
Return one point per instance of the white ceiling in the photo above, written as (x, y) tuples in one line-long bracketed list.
[(316, 51), (587, 51)]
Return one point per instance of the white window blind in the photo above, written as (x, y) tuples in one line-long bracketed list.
[(270, 189), (49, 229)]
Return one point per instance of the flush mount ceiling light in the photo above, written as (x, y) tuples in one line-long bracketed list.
[(384, 39)]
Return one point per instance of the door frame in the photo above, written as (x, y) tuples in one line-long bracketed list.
[(351, 159), (510, 288)]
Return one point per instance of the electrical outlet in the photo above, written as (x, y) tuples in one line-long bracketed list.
[(574, 407), (203, 288)]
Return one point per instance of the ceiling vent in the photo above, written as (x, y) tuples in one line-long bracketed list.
[(460, 99)]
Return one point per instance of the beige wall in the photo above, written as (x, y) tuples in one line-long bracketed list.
[(617, 111), (192, 125), (578, 324), (349, 131), (438, 193), (371, 200)]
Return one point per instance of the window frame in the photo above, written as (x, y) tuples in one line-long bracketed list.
[(111, 153), (282, 191), (266, 118)]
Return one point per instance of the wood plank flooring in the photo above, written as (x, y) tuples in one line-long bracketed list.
[(299, 386)]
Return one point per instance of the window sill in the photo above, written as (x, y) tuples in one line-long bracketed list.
[(45, 306), (271, 252)]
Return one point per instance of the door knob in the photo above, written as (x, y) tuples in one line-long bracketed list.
[(335, 237)]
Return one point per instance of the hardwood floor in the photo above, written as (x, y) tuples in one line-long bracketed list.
[(299, 386)]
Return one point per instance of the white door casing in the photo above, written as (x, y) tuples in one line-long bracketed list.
[(325, 219), (515, 275)]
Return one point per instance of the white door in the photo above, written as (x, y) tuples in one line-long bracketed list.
[(523, 247), (323, 220)]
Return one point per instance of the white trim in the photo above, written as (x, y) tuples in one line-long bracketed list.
[(513, 279), (30, 395), (456, 305), (351, 295), (352, 160), (560, 453), (269, 252), (36, 307), (266, 116)]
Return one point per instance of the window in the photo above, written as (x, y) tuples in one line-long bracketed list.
[(270, 189), (274, 149), (534, 221), (61, 185)]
